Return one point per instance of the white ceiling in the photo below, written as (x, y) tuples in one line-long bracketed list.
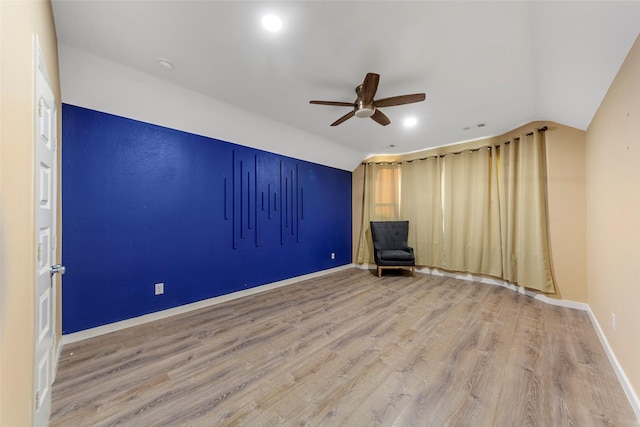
[(498, 63)]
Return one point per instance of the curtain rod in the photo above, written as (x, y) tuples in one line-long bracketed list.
[(542, 129)]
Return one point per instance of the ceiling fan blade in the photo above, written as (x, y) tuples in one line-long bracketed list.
[(400, 100), (344, 118), (336, 103), (379, 117), (369, 87)]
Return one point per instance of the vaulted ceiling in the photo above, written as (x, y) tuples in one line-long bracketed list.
[(494, 64)]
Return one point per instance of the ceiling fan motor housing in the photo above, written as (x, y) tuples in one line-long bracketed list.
[(364, 110)]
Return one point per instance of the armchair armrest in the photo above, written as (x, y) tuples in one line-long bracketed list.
[(407, 248)]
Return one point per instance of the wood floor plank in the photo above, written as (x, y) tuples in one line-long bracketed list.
[(351, 349)]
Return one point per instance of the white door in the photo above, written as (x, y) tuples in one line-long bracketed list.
[(46, 202)]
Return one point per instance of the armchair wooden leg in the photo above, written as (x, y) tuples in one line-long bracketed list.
[(379, 272), (413, 271)]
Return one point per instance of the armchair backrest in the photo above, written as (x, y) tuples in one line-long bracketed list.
[(389, 234)]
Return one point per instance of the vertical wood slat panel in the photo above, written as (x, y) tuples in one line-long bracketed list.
[(233, 200), (226, 201), (249, 224), (293, 204), (298, 209), (287, 201), (281, 218), (269, 201), (255, 195), (241, 197), (247, 200)]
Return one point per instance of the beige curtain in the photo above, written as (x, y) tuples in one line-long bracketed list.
[(421, 205), (471, 213), (525, 248), (381, 202), (480, 211)]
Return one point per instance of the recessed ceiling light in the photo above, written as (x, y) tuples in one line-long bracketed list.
[(410, 122), (165, 64), (272, 23)]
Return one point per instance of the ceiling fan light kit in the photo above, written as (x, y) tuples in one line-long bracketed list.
[(362, 110), (365, 106)]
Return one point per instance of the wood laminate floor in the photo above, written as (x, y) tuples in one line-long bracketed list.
[(349, 349)]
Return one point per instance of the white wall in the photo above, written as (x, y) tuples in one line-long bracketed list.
[(92, 82)]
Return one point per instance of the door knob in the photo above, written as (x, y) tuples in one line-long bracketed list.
[(58, 268)]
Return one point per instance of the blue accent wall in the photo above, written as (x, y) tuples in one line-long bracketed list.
[(144, 204)]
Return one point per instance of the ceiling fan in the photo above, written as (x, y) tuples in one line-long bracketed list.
[(366, 106)]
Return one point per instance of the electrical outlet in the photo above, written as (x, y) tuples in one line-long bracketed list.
[(333, 255), (159, 288), (613, 321)]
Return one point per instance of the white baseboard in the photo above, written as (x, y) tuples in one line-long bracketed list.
[(622, 377), (492, 281), (101, 330), (112, 327)]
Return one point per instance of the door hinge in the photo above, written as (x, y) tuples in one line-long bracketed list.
[(37, 400), (40, 107), (39, 252)]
